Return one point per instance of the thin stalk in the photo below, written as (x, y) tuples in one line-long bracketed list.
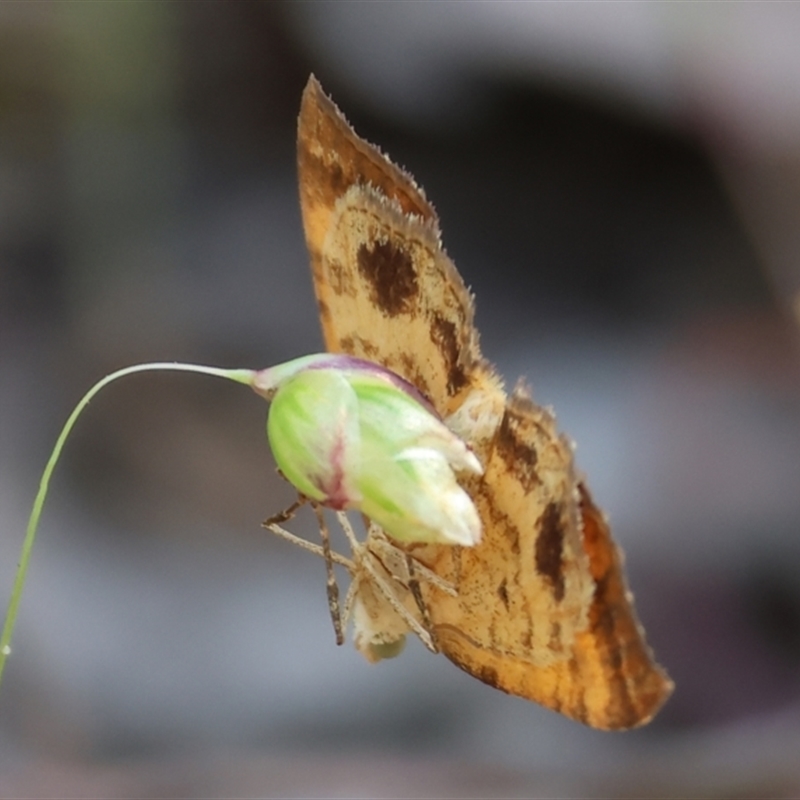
[(244, 376)]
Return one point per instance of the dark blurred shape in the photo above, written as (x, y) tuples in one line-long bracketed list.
[(584, 211), (242, 75), (31, 251), (774, 597)]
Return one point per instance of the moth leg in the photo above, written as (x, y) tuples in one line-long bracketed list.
[(380, 541), (285, 516), (391, 597), (431, 577), (349, 599), (363, 556), (331, 586), (344, 521), (337, 558), (422, 606)]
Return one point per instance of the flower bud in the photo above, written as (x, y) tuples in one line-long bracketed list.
[(350, 434)]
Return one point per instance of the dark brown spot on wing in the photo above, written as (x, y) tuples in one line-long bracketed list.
[(549, 548), (555, 636), (391, 275), (410, 370), (361, 347), (502, 592), (444, 335), (511, 532), (341, 282), (323, 179), (519, 457)]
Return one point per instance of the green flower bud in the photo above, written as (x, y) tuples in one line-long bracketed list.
[(352, 435)]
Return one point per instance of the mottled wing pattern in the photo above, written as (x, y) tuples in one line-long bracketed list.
[(542, 610), (384, 286)]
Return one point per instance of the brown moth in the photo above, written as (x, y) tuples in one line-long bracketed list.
[(540, 607)]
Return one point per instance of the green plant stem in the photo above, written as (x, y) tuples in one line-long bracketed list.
[(244, 376)]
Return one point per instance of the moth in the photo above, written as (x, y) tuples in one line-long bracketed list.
[(540, 608)]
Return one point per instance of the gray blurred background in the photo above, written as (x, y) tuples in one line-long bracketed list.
[(620, 185)]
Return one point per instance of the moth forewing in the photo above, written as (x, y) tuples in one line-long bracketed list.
[(541, 609)]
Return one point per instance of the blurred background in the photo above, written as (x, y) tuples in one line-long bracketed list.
[(619, 184)]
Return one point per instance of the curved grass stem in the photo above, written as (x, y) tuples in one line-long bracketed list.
[(244, 376)]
